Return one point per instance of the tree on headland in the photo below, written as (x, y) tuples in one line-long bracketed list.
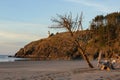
[(108, 30), (73, 26)]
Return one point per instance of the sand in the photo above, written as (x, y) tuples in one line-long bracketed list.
[(54, 70)]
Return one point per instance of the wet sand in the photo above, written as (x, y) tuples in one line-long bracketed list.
[(54, 70)]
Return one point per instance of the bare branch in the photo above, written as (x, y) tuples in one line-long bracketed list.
[(72, 26), (80, 22)]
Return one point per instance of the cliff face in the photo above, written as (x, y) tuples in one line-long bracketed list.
[(62, 46)]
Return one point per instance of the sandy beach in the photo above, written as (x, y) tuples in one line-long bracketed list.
[(54, 70)]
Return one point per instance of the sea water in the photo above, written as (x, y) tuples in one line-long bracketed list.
[(6, 58)]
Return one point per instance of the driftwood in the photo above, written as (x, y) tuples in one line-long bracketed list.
[(108, 64), (105, 65)]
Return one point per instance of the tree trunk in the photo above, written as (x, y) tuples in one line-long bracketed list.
[(80, 49), (84, 56), (87, 60), (68, 23)]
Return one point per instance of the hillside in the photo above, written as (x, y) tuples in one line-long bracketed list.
[(61, 46), (104, 34)]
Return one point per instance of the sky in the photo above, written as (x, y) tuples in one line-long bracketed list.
[(24, 21)]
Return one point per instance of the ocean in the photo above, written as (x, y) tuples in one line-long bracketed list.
[(6, 58)]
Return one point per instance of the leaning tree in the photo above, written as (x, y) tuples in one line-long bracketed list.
[(73, 26)]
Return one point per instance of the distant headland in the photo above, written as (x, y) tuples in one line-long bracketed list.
[(103, 34)]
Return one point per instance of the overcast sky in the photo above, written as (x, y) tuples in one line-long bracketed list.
[(23, 21)]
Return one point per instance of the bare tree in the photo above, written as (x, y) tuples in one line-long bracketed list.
[(73, 26)]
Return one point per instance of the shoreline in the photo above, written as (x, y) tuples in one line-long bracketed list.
[(54, 70)]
